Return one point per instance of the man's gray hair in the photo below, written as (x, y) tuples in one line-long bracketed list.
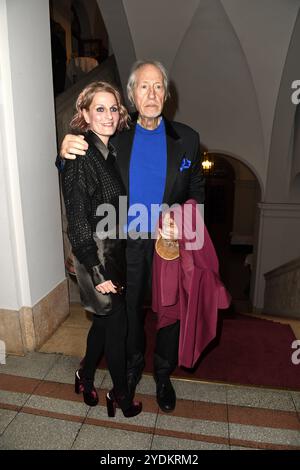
[(132, 77)]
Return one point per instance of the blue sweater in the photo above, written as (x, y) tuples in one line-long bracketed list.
[(147, 176)]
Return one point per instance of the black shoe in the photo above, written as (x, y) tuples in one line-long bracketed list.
[(113, 401), (165, 395), (86, 387)]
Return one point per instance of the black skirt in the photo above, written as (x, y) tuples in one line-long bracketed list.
[(112, 257)]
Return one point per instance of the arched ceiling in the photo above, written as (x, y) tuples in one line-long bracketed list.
[(215, 89), (264, 31), (225, 58), (147, 18)]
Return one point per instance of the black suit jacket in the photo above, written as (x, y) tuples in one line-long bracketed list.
[(182, 143)]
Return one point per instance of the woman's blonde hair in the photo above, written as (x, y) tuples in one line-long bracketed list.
[(85, 99)]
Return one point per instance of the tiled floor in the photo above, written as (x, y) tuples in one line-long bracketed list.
[(39, 410)]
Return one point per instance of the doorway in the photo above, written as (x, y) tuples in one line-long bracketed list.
[(231, 196)]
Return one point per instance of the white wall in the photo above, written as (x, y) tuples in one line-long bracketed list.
[(14, 271), (28, 149), (279, 228), (219, 96), (8, 287), (158, 27)]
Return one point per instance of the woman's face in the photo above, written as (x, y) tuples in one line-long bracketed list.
[(103, 115)]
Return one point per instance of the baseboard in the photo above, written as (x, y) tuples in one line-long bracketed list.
[(27, 329)]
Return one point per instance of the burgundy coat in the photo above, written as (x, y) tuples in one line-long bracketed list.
[(189, 289)]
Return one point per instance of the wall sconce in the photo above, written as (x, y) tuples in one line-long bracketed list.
[(207, 163)]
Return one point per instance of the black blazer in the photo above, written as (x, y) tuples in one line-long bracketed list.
[(182, 143)]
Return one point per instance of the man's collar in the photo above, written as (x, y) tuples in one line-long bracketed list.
[(170, 131)]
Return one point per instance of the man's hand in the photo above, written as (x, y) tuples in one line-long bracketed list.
[(73, 145), (169, 228)]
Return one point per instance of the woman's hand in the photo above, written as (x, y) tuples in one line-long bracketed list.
[(73, 145), (106, 287)]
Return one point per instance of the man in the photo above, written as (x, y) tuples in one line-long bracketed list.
[(159, 162)]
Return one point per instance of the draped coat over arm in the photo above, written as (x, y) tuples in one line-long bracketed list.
[(189, 288)]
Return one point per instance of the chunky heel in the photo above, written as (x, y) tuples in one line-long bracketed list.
[(77, 383), (86, 387), (110, 406), (113, 401)]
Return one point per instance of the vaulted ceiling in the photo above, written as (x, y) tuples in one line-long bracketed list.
[(231, 64)]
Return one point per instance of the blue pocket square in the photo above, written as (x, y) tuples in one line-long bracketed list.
[(185, 164)]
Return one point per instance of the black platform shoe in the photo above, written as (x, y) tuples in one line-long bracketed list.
[(112, 402), (86, 387)]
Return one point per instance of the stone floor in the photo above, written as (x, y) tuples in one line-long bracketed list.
[(39, 410)]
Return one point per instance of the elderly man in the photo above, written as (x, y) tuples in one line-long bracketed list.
[(159, 162)]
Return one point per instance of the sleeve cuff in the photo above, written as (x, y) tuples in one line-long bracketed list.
[(97, 274), (60, 163)]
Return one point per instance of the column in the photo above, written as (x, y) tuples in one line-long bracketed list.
[(33, 293)]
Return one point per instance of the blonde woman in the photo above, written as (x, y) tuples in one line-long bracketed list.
[(88, 183)]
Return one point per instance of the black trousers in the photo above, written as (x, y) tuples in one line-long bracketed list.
[(108, 335), (139, 271)]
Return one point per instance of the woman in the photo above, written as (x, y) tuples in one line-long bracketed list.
[(88, 183)]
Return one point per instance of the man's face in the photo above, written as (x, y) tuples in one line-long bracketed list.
[(149, 93)]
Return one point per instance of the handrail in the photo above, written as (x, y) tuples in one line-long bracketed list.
[(283, 269), (282, 290)]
